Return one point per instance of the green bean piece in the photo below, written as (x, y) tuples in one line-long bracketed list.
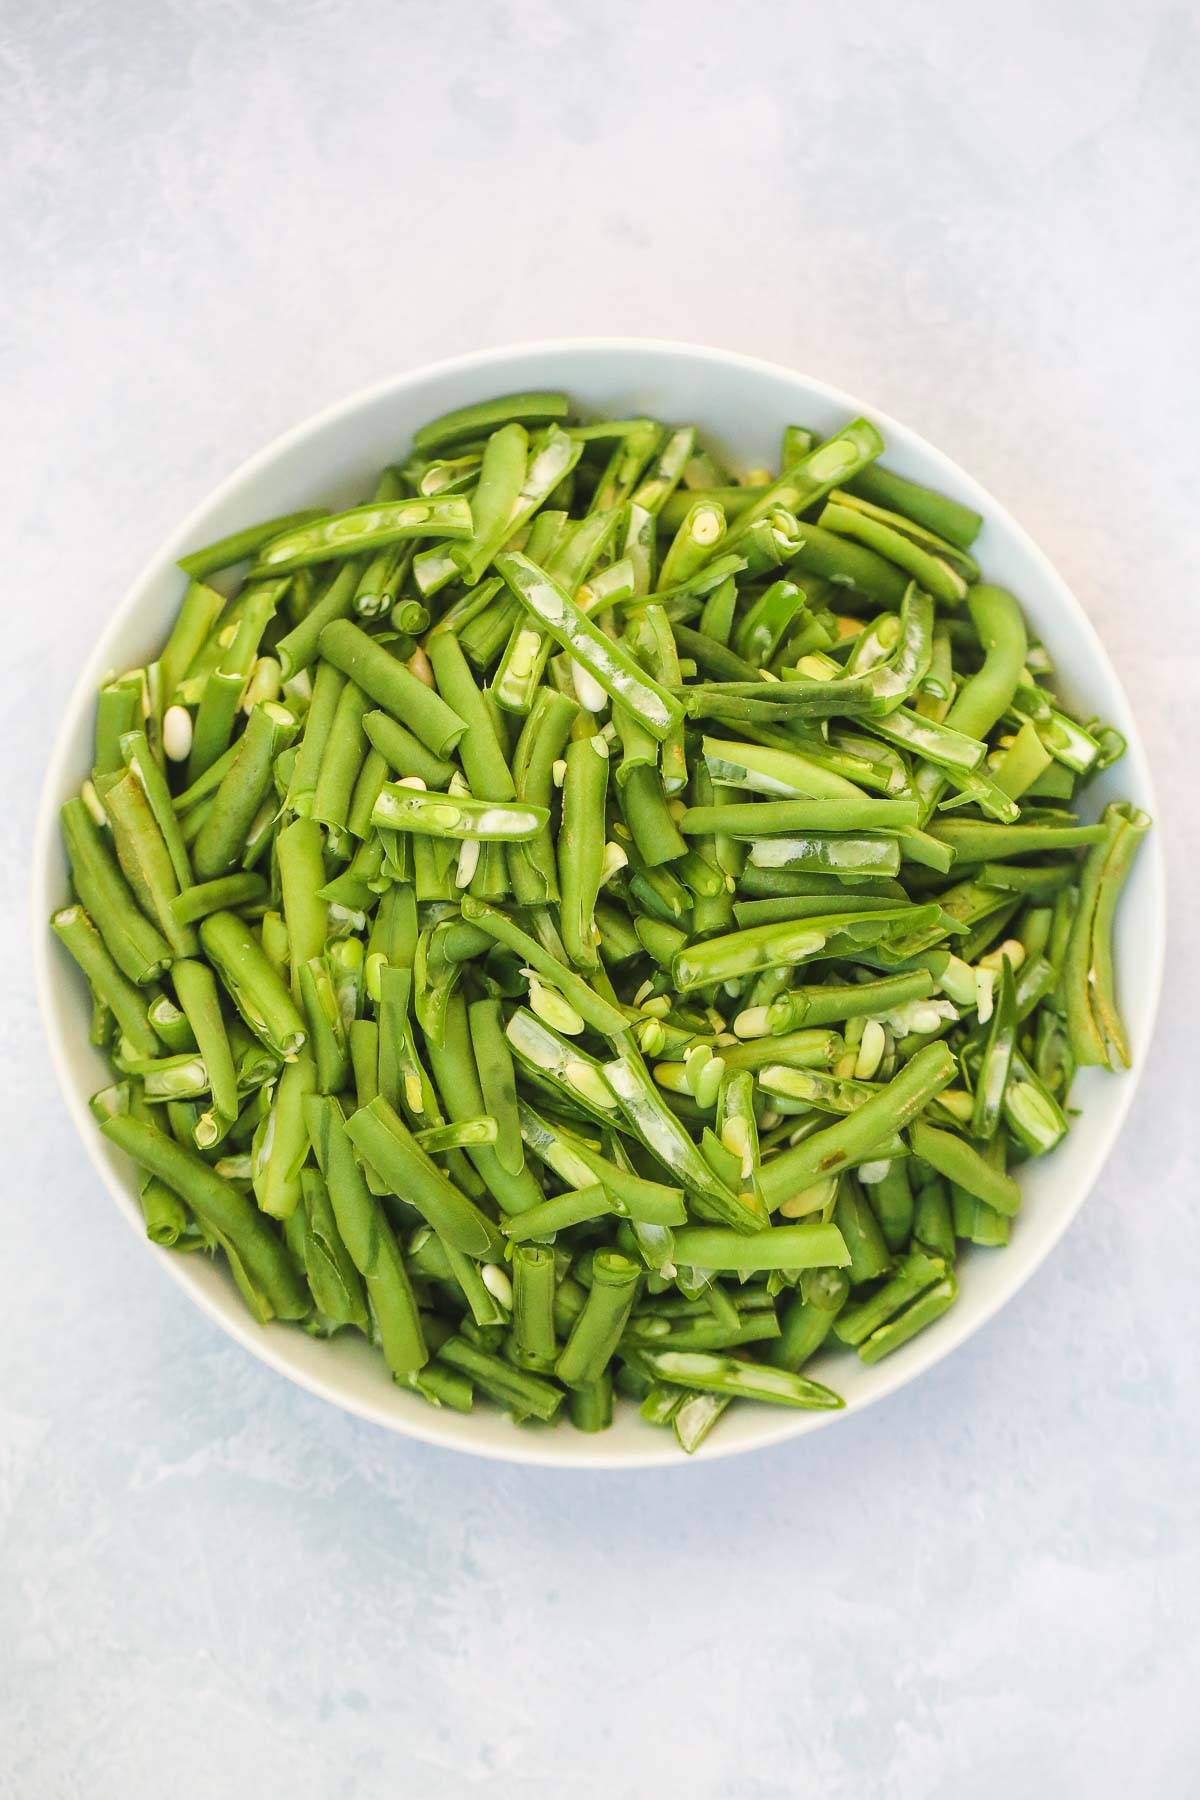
[(1094, 1025), (922, 1312), (532, 866), (787, 774), (891, 1200), (407, 809), (581, 841), (168, 1221), (837, 1146), (342, 759), (809, 479), (108, 982), (913, 1276), (609, 663), (591, 1407), (978, 840), (933, 1219), (243, 788), (831, 1003), (769, 617), (746, 703), (145, 859), (977, 1221), (924, 506), (1023, 763), (597, 1331), (992, 1079), (784, 944), (720, 608), (936, 575), (333, 1279), (196, 988), (855, 1219), (533, 1307), (368, 1238), (493, 1063), (301, 877), (327, 1039), (660, 1402), (575, 1207), (363, 528), (139, 759), (199, 611), (665, 1138), (467, 422), (494, 500), (402, 1079), (327, 690), (403, 753), (646, 812), (280, 1141), (1032, 1115), (479, 750), (223, 689), (139, 948), (780, 1247), (252, 984), (806, 1324), (524, 1394), (171, 1025), (226, 894), (383, 1140), (391, 685), (776, 818), (961, 1164), (986, 696), (738, 1379), (364, 1059), (698, 535), (242, 544), (758, 1327), (850, 566)]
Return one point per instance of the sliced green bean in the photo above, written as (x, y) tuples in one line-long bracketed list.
[(467, 422), (391, 685), (242, 544), (384, 1141), (738, 1379), (607, 662), (597, 1331), (960, 1163)]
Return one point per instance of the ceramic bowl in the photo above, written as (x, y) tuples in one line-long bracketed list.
[(742, 405)]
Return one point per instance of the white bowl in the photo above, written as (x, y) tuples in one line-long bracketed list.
[(743, 404)]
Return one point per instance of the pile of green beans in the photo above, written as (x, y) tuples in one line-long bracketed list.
[(590, 921)]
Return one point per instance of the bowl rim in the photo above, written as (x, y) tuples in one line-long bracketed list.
[(426, 1425)]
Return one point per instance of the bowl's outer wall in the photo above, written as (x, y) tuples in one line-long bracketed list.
[(742, 406)]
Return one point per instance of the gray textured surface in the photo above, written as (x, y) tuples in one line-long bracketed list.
[(218, 217)]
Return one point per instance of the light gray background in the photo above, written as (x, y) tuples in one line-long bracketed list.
[(219, 217)]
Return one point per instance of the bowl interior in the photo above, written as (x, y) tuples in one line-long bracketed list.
[(742, 406)]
